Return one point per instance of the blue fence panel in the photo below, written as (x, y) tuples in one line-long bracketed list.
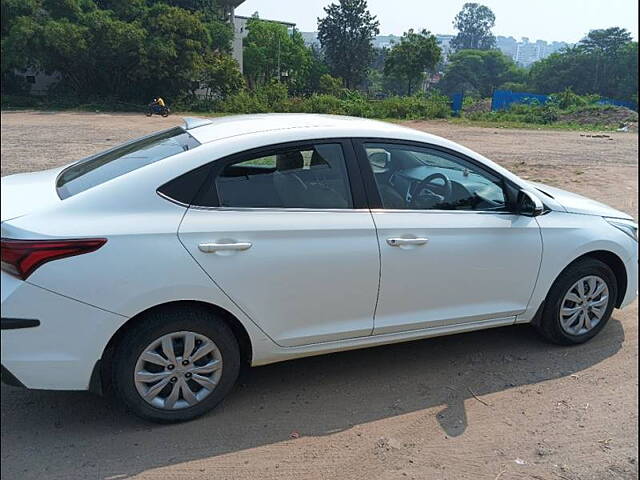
[(502, 99), (456, 103)]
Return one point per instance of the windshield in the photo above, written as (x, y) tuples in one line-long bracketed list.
[(122, 159)]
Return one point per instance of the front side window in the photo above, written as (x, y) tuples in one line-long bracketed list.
[(417, 178), (113, 163), (313, 176)]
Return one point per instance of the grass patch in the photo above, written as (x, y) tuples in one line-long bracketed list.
[(497, 123)]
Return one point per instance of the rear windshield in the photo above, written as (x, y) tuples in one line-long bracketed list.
[(117, 161)]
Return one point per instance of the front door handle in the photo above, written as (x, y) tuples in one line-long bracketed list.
[(398, 242), (218, 247)]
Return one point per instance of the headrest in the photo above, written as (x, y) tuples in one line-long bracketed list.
[(289, 161)]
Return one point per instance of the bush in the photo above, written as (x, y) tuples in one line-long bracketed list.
[(568, 99), (322, 103), (271, 98), (20, 101), (519, 112), (560, 107), (357, 105), (420, 106), (66, 103), (273, 95), (330, 85), (242, 102), (194, 105)]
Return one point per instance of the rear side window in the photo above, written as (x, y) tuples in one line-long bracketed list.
[(123, 159), (314, 176)]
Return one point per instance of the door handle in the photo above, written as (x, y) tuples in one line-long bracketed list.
[(217, 247), (398, 242)]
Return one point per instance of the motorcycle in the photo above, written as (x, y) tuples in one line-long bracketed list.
[(158, 110)]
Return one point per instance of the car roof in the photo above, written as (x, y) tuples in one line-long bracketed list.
[(210, 130)]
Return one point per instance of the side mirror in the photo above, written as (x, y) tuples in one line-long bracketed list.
[(380, 159), (529, 204)]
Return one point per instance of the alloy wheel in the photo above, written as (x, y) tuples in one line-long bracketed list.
[(178, 370), (584, 305)]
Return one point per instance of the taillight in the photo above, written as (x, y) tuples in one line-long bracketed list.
[(23, 257)]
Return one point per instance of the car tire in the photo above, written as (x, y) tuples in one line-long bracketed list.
[(173, 325), (554, 324)]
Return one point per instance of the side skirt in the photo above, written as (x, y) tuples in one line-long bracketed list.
[(289, 353)]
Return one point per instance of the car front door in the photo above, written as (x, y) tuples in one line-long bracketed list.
[(451, 251), (284, 231)]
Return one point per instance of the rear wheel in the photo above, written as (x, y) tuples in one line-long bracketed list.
[(580, 303), (175, 365)]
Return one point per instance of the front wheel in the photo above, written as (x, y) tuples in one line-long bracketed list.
[(175, 365), (579, 303)]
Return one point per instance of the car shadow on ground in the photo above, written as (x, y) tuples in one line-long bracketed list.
[(68, 431)]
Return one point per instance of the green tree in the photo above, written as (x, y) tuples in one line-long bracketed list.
[(474, 23), (220, 76), (479, 72), (271, 53), (13, 10), (309, 80), (604, 63), (173, 50), (559, 71), (609, 40), (605, 48), (346, 34), (408, 60), (129, 50), (21, 42)]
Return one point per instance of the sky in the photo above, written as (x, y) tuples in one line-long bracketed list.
[(561, 20)]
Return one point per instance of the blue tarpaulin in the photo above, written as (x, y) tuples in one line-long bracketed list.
[(502, 99)]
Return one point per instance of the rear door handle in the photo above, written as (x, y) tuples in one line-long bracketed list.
[(217, 247), (398, 242)]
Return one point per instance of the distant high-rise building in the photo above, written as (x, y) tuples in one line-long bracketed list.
[(385, 41), (524, 53), (444, 41), (527, 52), (310, 39), (508, 46)]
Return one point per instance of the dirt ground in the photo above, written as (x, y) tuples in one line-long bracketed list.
[(497, 404)]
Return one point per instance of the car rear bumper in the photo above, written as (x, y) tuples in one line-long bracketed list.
[(61, 350)]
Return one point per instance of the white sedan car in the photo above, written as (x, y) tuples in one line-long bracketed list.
[(153, 270)]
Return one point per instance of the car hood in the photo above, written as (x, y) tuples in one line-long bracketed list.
[(25, 193), (574, 203)]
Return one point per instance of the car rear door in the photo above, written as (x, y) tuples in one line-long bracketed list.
[(446, 262), (284, 231)]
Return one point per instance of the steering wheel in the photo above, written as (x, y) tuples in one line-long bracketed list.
[(435, 192)]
